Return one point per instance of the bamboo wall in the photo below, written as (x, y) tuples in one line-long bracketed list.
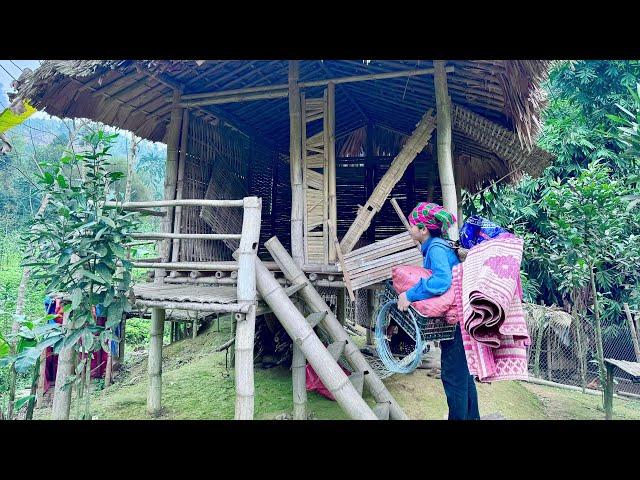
[(241, 168), (244, 168)]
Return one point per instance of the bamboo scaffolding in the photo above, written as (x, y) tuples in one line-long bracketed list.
[(414, 145), (316, 353), (332, 325)]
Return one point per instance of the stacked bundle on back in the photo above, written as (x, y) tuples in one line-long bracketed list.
[(373, 263)]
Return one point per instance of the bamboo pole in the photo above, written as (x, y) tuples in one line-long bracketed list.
[(245, 328), (632, 331), (332, 325), (170, 180), (154, 396), (182, 160), (445, 163), (316, 353), (325, 178), (185, 202), (374, 76), (330, 147), (186, 236), (414, 145), (298, 213), (62, 398), (295, 161), (299, 380), (240, 97), (252, 91), (195, 306)]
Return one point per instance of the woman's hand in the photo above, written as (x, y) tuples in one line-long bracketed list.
[(403, 303)]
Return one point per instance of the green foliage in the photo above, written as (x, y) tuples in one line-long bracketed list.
[(76, 247), (583, 210)]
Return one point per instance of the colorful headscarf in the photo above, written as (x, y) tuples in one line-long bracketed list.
[(432, 216)]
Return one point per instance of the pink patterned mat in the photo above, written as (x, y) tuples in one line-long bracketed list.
[(489, 302)]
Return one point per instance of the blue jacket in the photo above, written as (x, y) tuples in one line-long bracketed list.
[(440, 258)]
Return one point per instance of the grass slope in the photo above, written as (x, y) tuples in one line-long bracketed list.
[(196, 385)]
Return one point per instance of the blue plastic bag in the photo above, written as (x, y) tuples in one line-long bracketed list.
[(478, 229)]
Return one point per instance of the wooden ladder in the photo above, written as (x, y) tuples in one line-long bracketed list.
[(315, 178)]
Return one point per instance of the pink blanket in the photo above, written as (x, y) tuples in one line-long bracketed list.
[(489, 301), (406, 276)]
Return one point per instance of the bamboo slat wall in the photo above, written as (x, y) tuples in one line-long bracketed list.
[(224, 164), (242, 167)]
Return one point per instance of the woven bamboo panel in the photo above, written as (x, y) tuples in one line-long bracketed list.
[(373, 263)]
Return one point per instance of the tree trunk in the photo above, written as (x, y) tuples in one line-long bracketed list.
[(632, 331), (131, 163), (598, 329), (62, 398)]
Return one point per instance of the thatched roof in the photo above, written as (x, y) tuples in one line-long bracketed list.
[(136, 95)]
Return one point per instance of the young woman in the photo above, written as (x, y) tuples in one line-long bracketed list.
[(429, 222)]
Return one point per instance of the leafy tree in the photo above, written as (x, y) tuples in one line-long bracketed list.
[(78, 247)]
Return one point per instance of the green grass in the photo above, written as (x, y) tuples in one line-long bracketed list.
[(196, 385)]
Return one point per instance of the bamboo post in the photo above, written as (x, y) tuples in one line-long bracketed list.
[(170, 180), (298, 213), (155, 361), (318, 356), (330, 136), (340, 306), (299, 380), (62, 398), (245, 327), (414, 145), (295, 161), (445, 163), (549, 359), (182, 160), (632, 331), (325, 177), (457, 176), (370, 315), (332, 325)]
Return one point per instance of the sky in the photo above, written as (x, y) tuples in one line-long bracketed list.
[(6, 79)]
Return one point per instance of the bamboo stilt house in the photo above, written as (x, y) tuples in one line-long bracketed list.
[(322, 143), (239, 132)]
